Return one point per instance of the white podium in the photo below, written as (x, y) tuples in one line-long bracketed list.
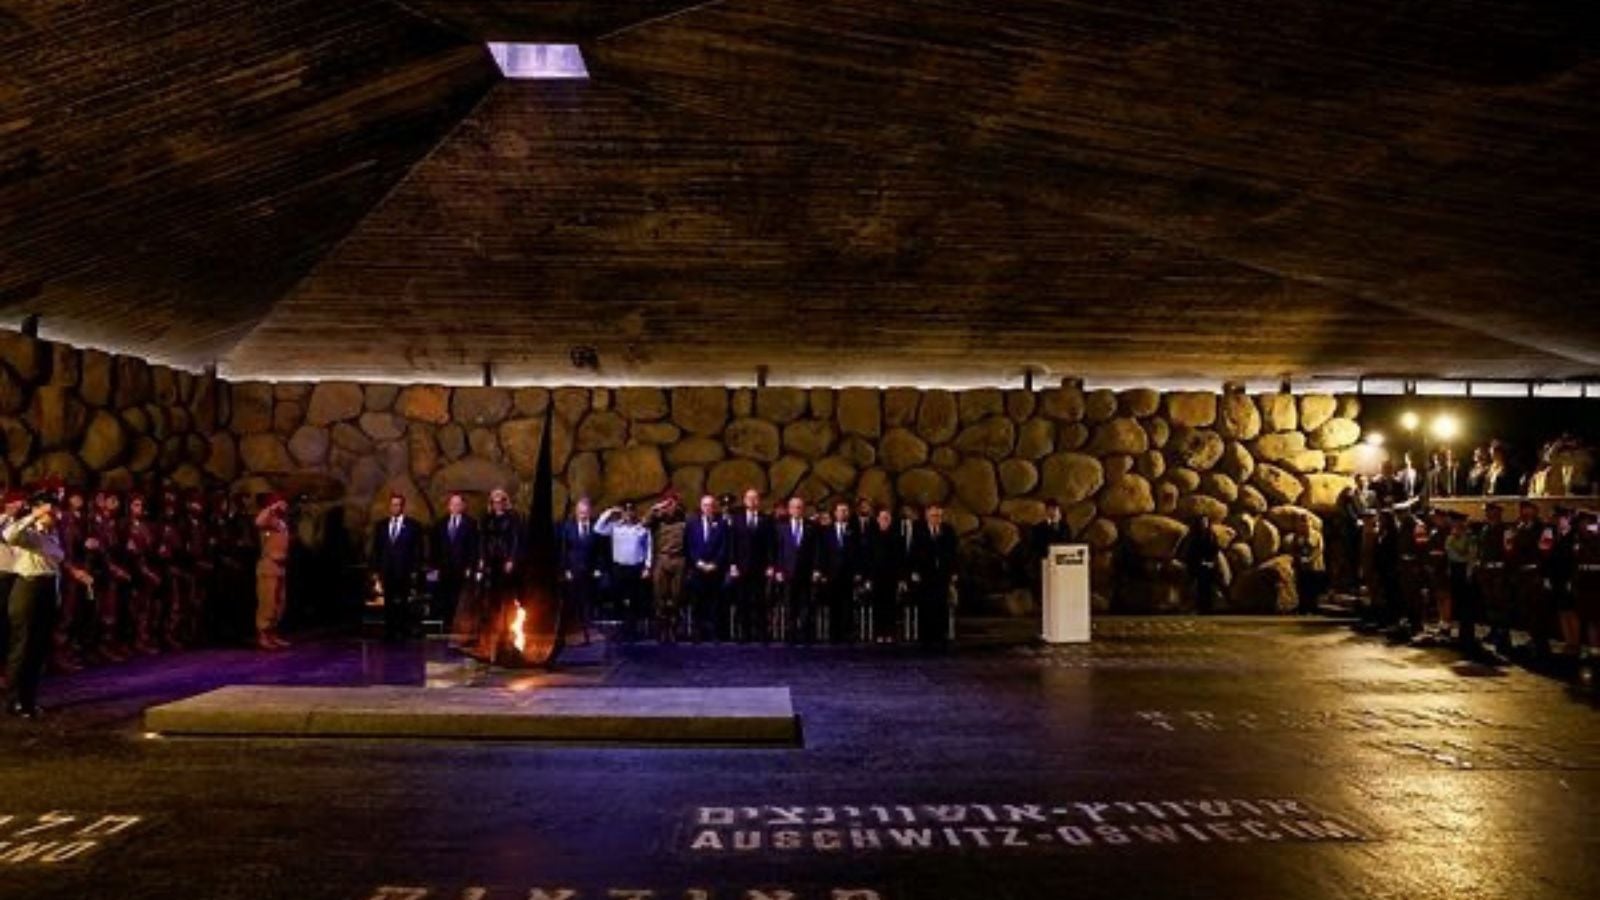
[(1066, 594)]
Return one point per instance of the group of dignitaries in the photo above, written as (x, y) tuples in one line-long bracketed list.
[(98, 578), (1436, 577)]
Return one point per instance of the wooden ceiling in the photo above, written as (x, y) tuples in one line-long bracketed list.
[(844, 189)]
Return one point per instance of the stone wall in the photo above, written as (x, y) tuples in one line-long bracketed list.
[(1130, 467)]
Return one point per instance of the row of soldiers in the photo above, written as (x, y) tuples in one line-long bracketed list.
[(1429, 571), (165, 571)]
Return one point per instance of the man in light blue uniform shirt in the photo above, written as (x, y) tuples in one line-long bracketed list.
[(630, 564)]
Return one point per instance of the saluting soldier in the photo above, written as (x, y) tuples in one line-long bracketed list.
[(198, 557), (174, 573), (104, 556)]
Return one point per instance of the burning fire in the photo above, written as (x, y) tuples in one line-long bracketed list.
[(519, 638)]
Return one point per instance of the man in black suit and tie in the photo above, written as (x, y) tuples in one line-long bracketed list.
[(749, 566), (397, 556), (455, 558), (1052, 529), (706, 556), (839, 556), (933, 574), (583, 554), (792, 565)]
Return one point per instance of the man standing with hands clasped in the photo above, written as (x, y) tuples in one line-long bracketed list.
[(38, 562)]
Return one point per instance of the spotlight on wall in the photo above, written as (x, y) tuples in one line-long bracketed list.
[(1374, 439), (1410, 420), (1445, 427), (587, 358)]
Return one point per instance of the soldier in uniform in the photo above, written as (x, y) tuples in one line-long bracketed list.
[(197, 566), (666, 518), (104, 553), (1586, 582), (175, 573), (71, 527), (1494, 579), (272, 571), (1524, 562), (140, 540), (1558, 549)]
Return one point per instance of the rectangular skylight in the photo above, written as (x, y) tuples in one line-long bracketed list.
[(538, 61)]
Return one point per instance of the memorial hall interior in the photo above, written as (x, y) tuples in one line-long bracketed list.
[(1226, 373)]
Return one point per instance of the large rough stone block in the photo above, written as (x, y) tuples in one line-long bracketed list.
[(287, 415), (1155, 537), (1277, 412), (922, 487), (1238, 418), (690, 483), (860, 451), (144, 453), (1119, 436), (837, 472), (695, 451), (451, 439), (104, 442), (1159, 432), (58, 417), (380, 397), (520, 438), (483, 443), (530, 402), (860, 412), (28, 357), (424, 403), (1192, 409), (980, 403), (1186, 480), (572, 403), (1072, 436), (656, 433), (734, 476), (753, 439), (1335, 434), (1018, 477), (57, 464), (700, 410), (993, 437), (1265, 539), (13, 392), (1063, 404), (381, 426), (1196, 505), (822, 401), (1315, 409), (1071, 477), (252, 405), (583, 476), (1151, 464), (937, 418), (642, 404), (1129, 495), (1036, 439), (335, 401), (809, 438), (472, 476), (785, 475), (1139, 403), (18, 441), (309, 445), (1199, 449), (265, 454), (1023, 510), (1266, 588), (132, 382), (634, 473), (1020, 405), (902, 450), (602, 430), (1220, 486), (780, 404), (1101, 534), (1167, 497), (877, 486), (97, 384), (1099, 405), (1275, 448), (976, 485), (900, 407), (66, 365), (163, 385), (222, 462), (480, 406), (1237, 462), (1276, 484)]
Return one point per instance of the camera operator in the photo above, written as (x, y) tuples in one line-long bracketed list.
[(38, 562)]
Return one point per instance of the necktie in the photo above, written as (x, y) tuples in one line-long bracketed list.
[(394, 529), (795, 530), (455, 522), (583, 530), (840, 531), (750, 520), (706, 525)]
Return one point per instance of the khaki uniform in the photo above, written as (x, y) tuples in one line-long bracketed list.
[(272, 572)]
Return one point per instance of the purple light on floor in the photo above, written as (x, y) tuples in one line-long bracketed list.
[(539, 61)]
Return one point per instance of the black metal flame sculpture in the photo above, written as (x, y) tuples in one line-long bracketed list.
[(532, 633)]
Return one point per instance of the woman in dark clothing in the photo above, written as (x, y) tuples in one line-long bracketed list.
[(885, 561), (500, 542)]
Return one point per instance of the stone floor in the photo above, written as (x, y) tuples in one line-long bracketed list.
[(1172, 758)]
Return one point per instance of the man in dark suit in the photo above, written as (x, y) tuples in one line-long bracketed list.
[(839, 562), (933, 574), (749, 565), (705, 539), (455, 558), (793, 562), (1052, 529), (396, 557), (583, 554)]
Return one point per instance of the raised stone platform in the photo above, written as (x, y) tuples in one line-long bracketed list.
[(729, 716)]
